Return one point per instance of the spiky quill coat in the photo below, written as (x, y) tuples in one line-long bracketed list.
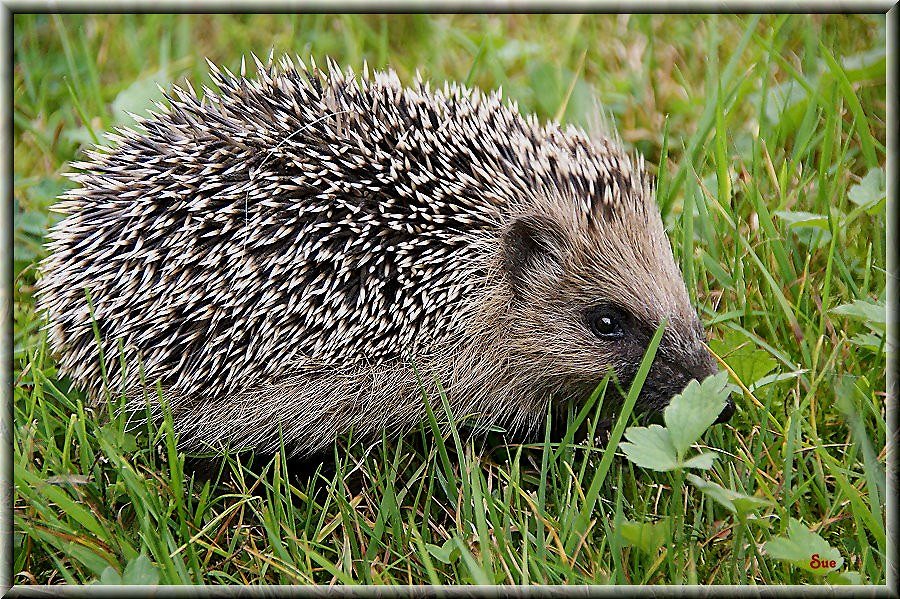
[(300, 254)]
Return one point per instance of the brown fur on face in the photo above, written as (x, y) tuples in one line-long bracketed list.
[(564, 262)]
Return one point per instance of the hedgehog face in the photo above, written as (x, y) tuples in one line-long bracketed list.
[(588, 294)]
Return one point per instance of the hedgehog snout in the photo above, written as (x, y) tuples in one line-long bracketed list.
[(674, 367)]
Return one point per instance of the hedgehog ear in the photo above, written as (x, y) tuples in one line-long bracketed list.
[(529, 242)]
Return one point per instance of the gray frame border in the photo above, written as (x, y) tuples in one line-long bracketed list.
[(8, 8)]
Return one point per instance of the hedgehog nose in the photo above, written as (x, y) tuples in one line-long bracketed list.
[(726, 413)]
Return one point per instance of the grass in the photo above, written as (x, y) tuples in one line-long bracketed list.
[(770, 136)]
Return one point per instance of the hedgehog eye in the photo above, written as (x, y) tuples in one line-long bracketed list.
[(606, 322)]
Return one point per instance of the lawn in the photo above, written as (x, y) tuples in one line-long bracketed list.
[(769, 134)]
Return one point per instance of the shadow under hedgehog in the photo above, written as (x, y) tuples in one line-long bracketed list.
[(299, 254)]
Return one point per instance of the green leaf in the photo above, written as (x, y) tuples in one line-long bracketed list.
[(138, 97), (733, 501), (748, 362), (869, 341), (80, 136), (448, 553), (810, 228), (870, 191), (799, 219), (110, 576), (785, 102), (546, 84), (759, 521), (702, 461), (34, 223), (804, 549), (650, 447), (777, 377), (694, 410), (688, 415), (140, 571), (845, 577), (649, 537), (123, 442), (513, 50), (872, 315)]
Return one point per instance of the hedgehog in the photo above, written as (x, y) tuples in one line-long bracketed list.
[(304, 254)]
